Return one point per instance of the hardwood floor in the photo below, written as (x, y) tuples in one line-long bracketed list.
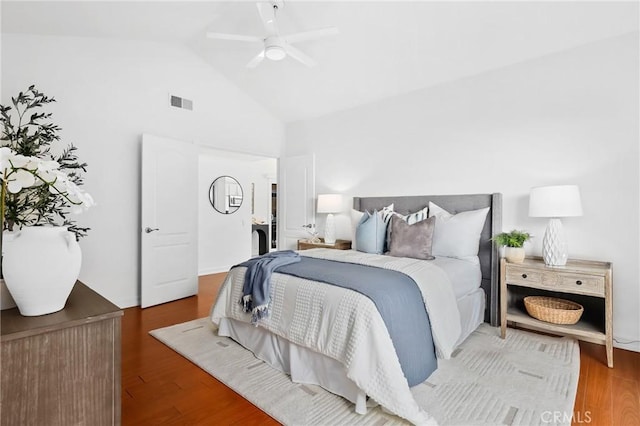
[(162, 387)]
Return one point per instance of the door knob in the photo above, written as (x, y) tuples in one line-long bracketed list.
[(150, 230)]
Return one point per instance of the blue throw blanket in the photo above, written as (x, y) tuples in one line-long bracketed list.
[(398, 299), (257, 280)]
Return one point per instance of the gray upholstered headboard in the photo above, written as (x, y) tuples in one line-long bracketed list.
[(488, 253)]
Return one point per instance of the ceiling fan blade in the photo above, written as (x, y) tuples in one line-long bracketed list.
[(235, 37), (299, 56), (310, 35), (256, 60), (267, 13)]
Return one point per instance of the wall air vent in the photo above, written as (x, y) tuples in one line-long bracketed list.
[(178, 102)]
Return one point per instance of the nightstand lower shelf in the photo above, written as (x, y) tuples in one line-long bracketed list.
[(582, 330)]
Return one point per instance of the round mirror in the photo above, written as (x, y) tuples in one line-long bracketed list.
[(225, 194)]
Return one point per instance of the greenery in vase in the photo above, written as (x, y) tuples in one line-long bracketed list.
[(512, 239), (34, 149)]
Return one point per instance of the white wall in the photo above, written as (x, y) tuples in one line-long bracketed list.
[(109, 92), (571, 117), (225, 240)]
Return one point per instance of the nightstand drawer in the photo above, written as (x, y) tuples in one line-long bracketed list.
[(339, 245), (523, 276), (574, 283)]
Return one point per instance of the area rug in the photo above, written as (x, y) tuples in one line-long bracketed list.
[(525, 379)]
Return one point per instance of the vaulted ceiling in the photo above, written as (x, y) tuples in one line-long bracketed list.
[(384, 48)]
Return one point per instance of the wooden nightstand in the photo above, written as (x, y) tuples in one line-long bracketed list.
[(586, 282), (339, 245)]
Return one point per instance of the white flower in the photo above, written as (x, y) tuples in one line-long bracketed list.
[(18, 161), (45, 166), (5, 155), (19, 172), (20, 179)]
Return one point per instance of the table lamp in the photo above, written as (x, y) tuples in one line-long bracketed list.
[(555, 202), (330, 203)]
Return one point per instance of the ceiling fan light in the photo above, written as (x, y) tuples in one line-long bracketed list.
[(275, 53)]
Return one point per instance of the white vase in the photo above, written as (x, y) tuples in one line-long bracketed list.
[(514, 254), (40, 265)]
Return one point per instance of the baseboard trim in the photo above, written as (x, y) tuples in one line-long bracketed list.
[(215, 270), (628, 343)]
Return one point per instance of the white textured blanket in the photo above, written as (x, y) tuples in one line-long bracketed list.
[(346, 326)]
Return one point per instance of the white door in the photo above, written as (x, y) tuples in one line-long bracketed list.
[(296, 192), (169, 220)]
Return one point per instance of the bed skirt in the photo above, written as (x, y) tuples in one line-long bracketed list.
[(308, 367)]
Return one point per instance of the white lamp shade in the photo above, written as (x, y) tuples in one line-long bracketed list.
[(330, 203), (555, 201)]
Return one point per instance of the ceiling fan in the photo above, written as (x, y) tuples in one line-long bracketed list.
[(277, 46)]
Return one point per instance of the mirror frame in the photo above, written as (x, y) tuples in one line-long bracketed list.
[(233, 202)]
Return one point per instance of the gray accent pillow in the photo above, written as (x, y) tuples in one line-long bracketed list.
[(371, 232), (413, 241), (410, 218)]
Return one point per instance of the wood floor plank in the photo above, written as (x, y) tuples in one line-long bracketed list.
[(626, 404), (152, 391), (161, 387), (146, 414), (627, 365), (598, 398)]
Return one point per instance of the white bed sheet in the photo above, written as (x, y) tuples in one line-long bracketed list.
[(465, 275)]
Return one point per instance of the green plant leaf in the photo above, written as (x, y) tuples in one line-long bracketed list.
[(514, 238)]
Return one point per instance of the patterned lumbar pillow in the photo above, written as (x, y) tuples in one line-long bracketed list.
[(413, 240), (416, 217)]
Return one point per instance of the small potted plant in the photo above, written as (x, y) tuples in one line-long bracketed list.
[(513, 242)]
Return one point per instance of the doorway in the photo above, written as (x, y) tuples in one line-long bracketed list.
[(225, 240)]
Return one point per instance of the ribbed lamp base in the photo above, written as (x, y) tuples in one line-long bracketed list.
[(330, 230), (554, 244)]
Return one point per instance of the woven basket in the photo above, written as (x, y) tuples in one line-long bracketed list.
[(553, 310)]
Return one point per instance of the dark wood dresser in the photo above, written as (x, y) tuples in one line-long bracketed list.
[(62, 368)]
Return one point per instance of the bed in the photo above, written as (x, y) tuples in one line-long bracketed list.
[(336, 337)]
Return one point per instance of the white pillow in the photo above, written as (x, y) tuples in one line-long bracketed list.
[(357, 215), (457, 235)]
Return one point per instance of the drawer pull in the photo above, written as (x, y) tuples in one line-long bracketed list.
[(524, 275), (579, 282)]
